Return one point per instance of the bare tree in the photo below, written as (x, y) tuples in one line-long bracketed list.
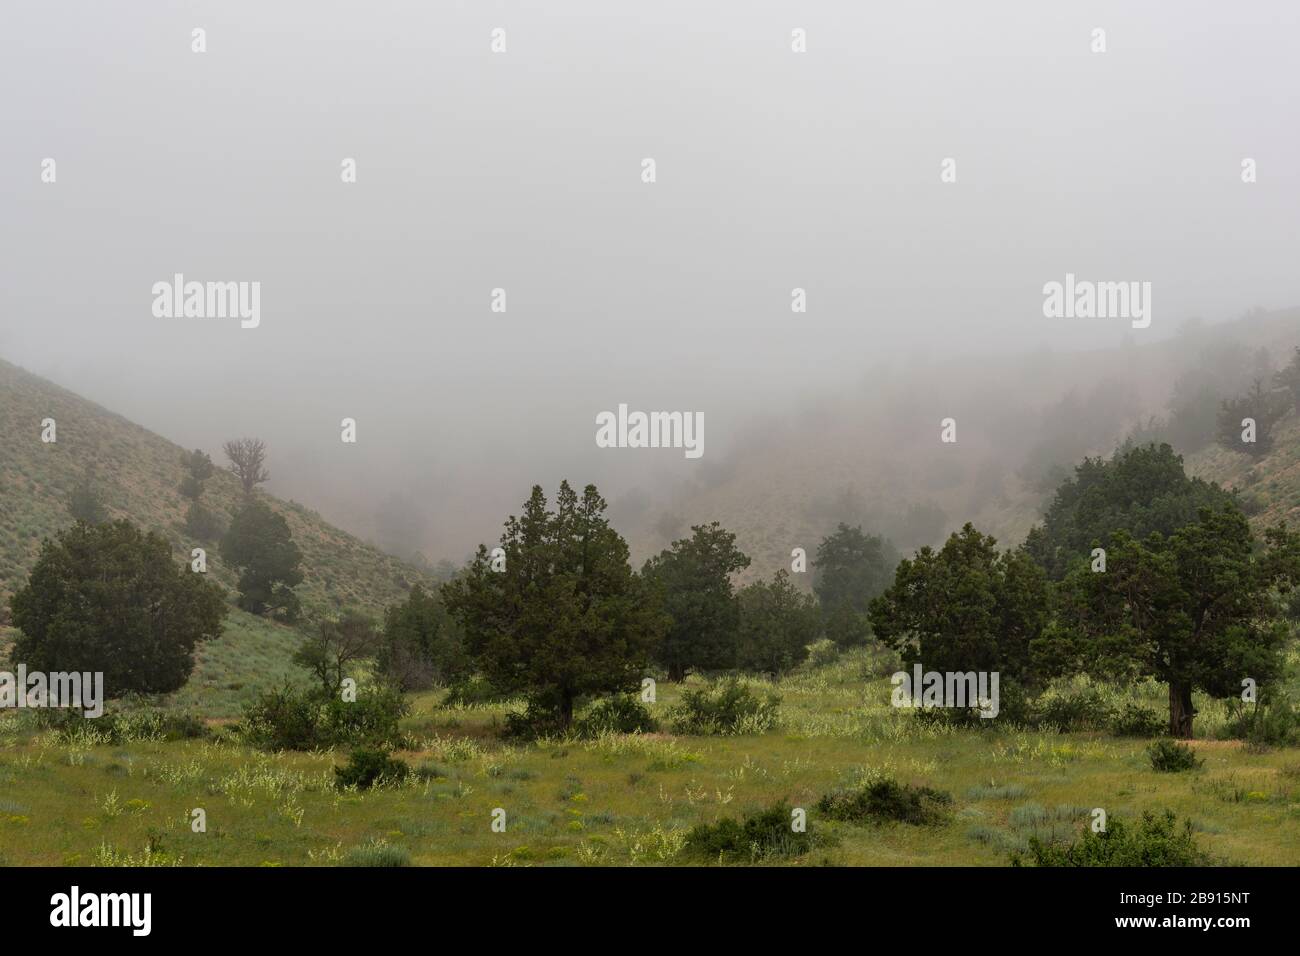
[(246, 457)]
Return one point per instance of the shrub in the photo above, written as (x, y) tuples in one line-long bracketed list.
[(371, 719), (822, 652), (1134, 720), (367, 767), (1086, 710), (1155, 841), (757, 836), (377, 853), (289, 719), (1276, 724), (881, 801), (727, 708), (617, 715), (1170, 756)]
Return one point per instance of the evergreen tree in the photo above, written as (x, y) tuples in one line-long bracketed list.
[(110, 598), (694, 582), (558, 613), (850, 569), (260, 544)]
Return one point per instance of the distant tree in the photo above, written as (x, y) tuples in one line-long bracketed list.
[(1289, 379), (247, 456), (966, 607), (850, 569), (198, 469), (564, 617), (420, 643), (1139, 490), (1265, 407), (777, 623), (1194, 609), (334, 646), (110, 598), (86, 503), (260, 544), (694, 582)]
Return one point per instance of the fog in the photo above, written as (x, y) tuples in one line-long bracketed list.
[(522, 171)]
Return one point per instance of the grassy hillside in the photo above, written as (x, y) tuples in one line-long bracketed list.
[(138, 473)]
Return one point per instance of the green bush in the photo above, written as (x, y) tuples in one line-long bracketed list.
[(757, 836), (367, 767), (616, 715), (1170, 756), (881, 801), (1134, 720), (727, 708), (1086, 710), (290, 719), (1155, 841), (1275, 724)]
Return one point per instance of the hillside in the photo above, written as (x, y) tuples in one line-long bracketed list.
[(138, 473), (872, 454)]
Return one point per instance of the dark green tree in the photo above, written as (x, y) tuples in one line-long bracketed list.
[(198, 469), (1195, 609), (777, 623), (109, 598), (421, 643), (966, 607), (557, 614), (1139, 489), (259, 543), (1265, 408), (694, 582), (850, 569)]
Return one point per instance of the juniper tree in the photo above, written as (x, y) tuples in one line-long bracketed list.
[(694, 582), (965, 607), (849, 570), (557, 614), (111, 598), (1194, 609), (1257, 412), (260, 544)]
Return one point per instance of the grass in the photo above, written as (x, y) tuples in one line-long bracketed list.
[(620, 800)]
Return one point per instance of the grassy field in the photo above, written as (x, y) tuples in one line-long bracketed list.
[(621, 800)]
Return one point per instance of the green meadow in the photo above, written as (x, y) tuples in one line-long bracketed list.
[(69, 798)]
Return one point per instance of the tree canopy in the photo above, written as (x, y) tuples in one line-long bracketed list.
[(110, 598)]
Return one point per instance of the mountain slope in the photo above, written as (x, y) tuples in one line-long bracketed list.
[(138, 473)]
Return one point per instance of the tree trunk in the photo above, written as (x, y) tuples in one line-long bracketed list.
[(676, 673), (566, 707), (1181, 711)]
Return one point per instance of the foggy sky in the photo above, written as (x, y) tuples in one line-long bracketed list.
[(522, 170)]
